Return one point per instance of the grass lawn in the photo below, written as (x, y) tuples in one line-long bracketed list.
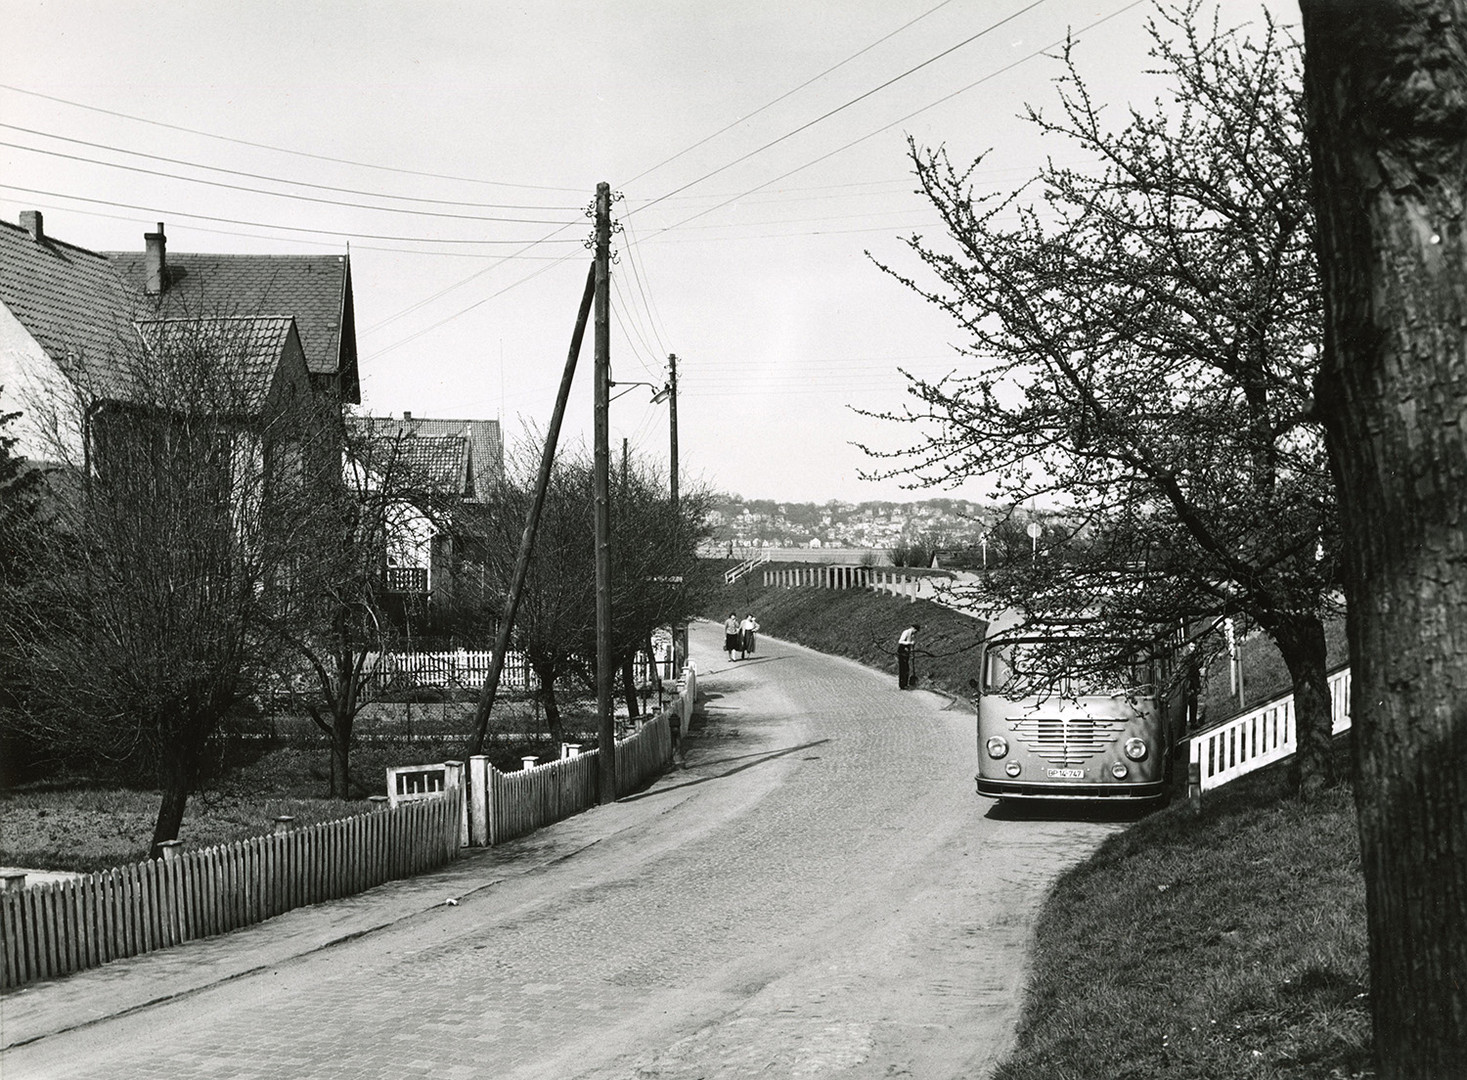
[(79, 825), (1230, 944)]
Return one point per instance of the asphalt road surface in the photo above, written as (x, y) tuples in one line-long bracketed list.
[(818, 893)]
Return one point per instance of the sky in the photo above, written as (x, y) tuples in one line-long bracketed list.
[(759, 150)]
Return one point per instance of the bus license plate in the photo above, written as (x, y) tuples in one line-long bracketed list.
[(1065, 774)]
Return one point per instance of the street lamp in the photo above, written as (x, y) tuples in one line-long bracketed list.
[(666, 392)]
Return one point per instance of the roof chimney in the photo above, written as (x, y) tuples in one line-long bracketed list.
[(156, 261), (30, 221)]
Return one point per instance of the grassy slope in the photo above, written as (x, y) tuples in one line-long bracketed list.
[(1230, 944), (862, 625)]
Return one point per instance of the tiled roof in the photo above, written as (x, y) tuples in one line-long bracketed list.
[(69, 299), (251, 348), (81, 306), (441, 463), (314, 289), (487, 462)]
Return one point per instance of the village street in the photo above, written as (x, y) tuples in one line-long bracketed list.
[(818, 893)]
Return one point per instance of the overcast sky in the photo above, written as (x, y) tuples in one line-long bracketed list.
[(760, 146)]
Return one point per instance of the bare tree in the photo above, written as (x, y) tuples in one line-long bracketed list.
[(1387, 97), (384, 493), (655, 577), (167, 572), (1143, 330)]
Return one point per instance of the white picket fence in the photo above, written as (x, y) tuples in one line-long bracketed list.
[(504, 805), (467, 668), (1261, 736)]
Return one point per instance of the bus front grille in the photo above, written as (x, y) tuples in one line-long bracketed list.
[(1065, 742)]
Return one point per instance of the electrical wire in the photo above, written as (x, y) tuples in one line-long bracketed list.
[(272, 179), (871, 135), (841, 108), (786, 94), (264, 225), (295, 197), (279, 149)]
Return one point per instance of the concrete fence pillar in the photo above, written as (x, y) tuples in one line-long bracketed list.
[(479, 801), (283, 824), (529, 761), (12, 881), (379, 802), (170, 849), (453, 780)]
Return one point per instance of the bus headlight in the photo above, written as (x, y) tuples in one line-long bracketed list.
[(997, 746), (1119, 770), (1012, 768), (1136, 749)]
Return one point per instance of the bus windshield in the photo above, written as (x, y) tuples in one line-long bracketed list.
[(1065, 667)]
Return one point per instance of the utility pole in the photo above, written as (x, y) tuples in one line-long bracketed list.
[(672, 423), (606, 741)]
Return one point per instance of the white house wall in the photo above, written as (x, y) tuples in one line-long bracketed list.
[(49, 427)]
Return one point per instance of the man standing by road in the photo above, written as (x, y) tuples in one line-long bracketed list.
[(906, 677)]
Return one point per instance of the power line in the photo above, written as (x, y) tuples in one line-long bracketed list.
[(279, 149), (472, 277), (787, 93), (872, 134), (841, 108), (277, 194), (264, 176), (265, 225), (471, 307)]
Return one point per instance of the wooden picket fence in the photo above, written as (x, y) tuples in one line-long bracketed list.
[(57, 928), (503, 806)]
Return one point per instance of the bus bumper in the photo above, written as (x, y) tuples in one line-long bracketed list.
[(1015, 789)]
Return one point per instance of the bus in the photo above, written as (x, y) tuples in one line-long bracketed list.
[(1109, 733)]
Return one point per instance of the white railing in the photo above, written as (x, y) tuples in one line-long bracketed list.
[(1261, 736), (730, 576)]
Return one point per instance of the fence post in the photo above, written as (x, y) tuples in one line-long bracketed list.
[(1194, 786), (453, 780), (478, 804)]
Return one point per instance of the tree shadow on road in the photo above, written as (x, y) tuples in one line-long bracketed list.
[(750, 761)]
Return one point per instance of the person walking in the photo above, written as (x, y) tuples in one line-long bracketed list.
[(733, 633), (906, 677), (749, 625)]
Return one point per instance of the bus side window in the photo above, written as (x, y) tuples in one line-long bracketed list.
[(996, 669)]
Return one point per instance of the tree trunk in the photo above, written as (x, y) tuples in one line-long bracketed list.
[(552, 711), (629, 687), (1301, 644), (179, 770), (1386, 89), (341, 729)]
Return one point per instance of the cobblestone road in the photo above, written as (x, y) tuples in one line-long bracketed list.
[(819, 893)]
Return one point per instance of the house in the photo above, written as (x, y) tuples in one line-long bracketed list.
[(79, 328), (448, 472)]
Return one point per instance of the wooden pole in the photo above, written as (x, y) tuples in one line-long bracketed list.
[(532, 522), (606, 743), (672, 424)]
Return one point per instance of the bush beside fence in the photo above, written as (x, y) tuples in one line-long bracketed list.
[(58, 928)]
